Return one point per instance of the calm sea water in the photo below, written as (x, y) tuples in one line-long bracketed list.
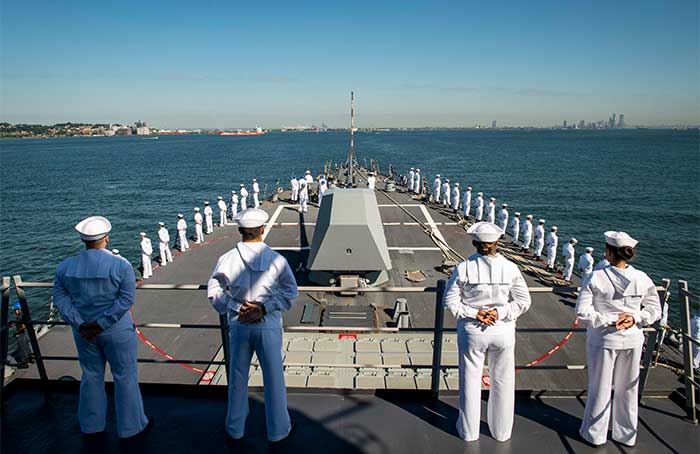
[(645, 182)]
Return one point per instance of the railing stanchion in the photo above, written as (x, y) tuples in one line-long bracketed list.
[(650, 347), (223, 321), (437, 340), (27, 318), (4, 333), (689, 374)]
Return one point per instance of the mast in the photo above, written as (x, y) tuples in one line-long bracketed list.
[(351, 153)]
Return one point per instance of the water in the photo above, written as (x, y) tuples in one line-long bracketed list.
[(642, 181)]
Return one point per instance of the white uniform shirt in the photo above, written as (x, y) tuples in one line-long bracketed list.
[(222, 205), (308, 178), (416, 181), (585, 264), (234, 199), (552, 241), (568, 252), (515, 226), (539, 232), (371, 181), (181, 225), (243, 192), (256, 187), (323, 185), (503, 217), (491, 212), (446, 190), (163, 235), (253, 272), (612, 291), (527, 228), (486, 282), (146, 246), (208, 211), (198, 218), (479, 203), (411, 174), (295, 183), (467, 197)]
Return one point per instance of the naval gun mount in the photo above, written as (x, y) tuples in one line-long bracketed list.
[(349, 247)]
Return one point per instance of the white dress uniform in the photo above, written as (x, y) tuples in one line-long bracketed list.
[(417, 182), (222, 211), (256, 192), (371, 181), (303, 197), (308, 178), (243, 192), (253, 272), (503, 217), (437, 185), (467, 203), (164, 246), (515, 227), (209, 218), (323, 187), (527, 232), (479, 207), (491, 211), (552, 242), (234, 204), (146, 252), (409, 180), (539, 238), (198, 221), (97, 286), (585, 263), (486, 282), (294, 184), (455, 197), (568, 253), (446, 193), (695, 334), (613, 356), (182, 233)]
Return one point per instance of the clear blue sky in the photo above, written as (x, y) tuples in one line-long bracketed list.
[(235, 64)]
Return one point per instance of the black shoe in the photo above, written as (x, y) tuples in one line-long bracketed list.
[(289, 435)]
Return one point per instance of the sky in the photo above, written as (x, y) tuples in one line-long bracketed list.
[(180, 64)]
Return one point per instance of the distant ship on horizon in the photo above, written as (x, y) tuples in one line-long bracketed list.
[(258, 131)]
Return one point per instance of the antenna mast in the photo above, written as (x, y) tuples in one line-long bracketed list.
[(351, 152)]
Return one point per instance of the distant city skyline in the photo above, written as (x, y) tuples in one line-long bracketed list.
[(410, 64)]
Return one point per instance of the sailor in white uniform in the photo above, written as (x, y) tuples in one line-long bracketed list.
[(94, 291), (164, 245), (234, 204), (243, 193), (503, 217), (467, 203), (115, 251), (486, 294), (303, 197), (182, 233), (615, 303), (371, 180), (256, 193), (455, 197), (552, 242), (417, 182), (539, 239), (209, 218), (294, 184), (409, 180), (323, 187), (308, 178), (437, 185), (253, 286), (527, 232), (491, 210), (479, 206), (222, 211), (146, 252), (446, 192), (568, 253), (198, 221), (585, 263), (515, 227)]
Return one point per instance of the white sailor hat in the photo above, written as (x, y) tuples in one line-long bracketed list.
[(505, 205), (589, 249), (411, 168), (142, 233), (485, 232), (162, 224), (437, 176), (220, 198), (479, 193), (233, 192), (469, 188), (251, 218), (254, 180), (206, 203), (447, 180), (493, 199), (115, 251), (242, 185), (529, 216), (573, 240), (619, 239), (196, 208), (456, 184), (308, 171), (554, 227), (542, 221), (180, 215), (93, 228), (417, 170), (517, 213)]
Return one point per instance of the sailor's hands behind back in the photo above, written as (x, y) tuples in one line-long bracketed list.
[(624, 321), (250, 313), (89, 330), (488, 318)]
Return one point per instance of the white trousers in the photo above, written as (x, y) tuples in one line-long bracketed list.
[(499, 349), (490, 217), (416, 187), (608, 368), (295, 194), (256, 202), (467, 208), (527, 239), (147, 266), (117, 346), (551, 256), (303, 204), (479, 214), (210, 224), (222, 218), (445, 199), (516, 235), (182, 235), (234, 210), (539, 246), (267, 345), (410, 184), (455, 204), (436, 195), (503, 223), (243, 203), (198, 231), (165, 254), (569, 269)]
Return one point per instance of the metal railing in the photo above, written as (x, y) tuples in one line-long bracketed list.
[(438, 329)]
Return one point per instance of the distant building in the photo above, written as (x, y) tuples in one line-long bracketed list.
[(621, 122), (581, 124), (564, 124), (143, 131), (493, 124)]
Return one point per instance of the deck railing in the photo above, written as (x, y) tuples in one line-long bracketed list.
[(437, 329)]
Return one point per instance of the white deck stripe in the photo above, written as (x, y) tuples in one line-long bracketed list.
[(271, 222), (291, 248), (431, 223), (427, 248), (388, 205)]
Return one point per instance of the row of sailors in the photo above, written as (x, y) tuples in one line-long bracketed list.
[(300, 188)]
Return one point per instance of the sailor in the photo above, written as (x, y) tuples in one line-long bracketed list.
[(371, 179), (551, 242), (254, 285), (479, 206), (308, 178), (503, 217), (409, 180), (115, 251), (446, 192), (182, 233), (695, 334), (585, 263), (198, 221), (515, 227), (256, 192), (467, 203), (222, 211), (234, 204), (527, 233), (294, 184), (303, 197), (491, 211), (323, 187), (164, 245), (146, 252), (486, 294), (209, 218), (539, 239), (615, 303), (23, 354), (455, 197), (437, 185), (569, 254), (243, 192), (94, 291), (417, 182)]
